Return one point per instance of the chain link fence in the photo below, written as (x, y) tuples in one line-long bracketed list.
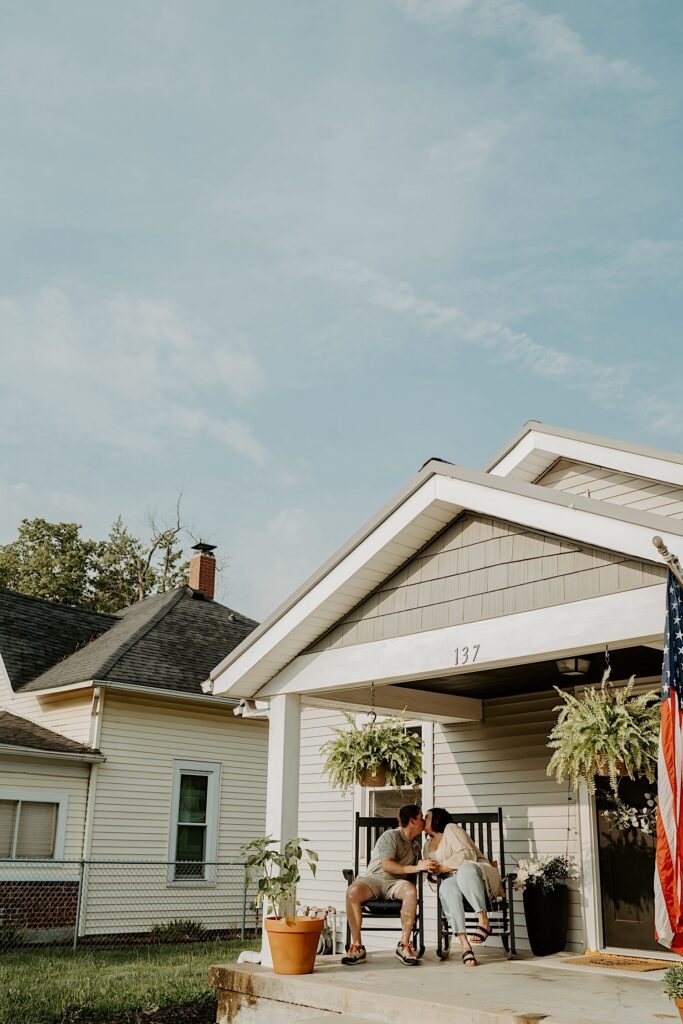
[(110, 903)]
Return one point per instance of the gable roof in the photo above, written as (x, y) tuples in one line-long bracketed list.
[(20, 732), (36, 634), (432, 499), (538, 445), (168, 641)]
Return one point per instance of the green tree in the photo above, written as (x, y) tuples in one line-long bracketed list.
[(50, 561), (53, 562)]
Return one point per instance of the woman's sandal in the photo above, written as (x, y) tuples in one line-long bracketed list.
[(469, 959), (480, 934)]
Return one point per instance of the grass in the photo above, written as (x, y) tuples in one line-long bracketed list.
[(131, 986)]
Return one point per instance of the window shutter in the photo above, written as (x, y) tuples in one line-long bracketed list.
[(8, 810), (37, 823)]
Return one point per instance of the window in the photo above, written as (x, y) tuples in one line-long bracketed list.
[(31, 826), (194, 821)]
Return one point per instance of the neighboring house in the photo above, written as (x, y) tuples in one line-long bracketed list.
[(109, 743), (458, 601)]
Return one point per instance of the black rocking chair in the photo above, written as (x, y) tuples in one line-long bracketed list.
[(376, 909), (481, 829)]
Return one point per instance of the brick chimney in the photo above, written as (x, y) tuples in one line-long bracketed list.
[(203, 569)]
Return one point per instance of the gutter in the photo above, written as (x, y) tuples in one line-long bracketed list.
[(159, 691), (58, 755)]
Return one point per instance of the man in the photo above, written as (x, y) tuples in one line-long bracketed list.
[(394, 865)]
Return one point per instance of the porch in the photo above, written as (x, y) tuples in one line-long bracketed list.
[(497, 992)]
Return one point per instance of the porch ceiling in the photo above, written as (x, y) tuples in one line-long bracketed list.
[(515, 680)]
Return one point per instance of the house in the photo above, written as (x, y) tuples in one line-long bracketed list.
[(465, 600), (111, 753)]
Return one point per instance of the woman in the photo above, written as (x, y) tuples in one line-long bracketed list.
[(465, 875)]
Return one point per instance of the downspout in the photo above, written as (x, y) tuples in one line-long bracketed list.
[(96, 714)]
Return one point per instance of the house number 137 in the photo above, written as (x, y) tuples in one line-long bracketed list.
[(466, 655)]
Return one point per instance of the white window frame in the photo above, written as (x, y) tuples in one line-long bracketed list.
[(43, 797), (212, 769)]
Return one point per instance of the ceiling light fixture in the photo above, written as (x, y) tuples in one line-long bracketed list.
[(573, 666)]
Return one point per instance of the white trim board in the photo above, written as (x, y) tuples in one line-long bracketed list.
[(453, 491), (552, 443), (620, 620)]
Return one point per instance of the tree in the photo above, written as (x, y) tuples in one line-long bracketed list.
[(50, 561), (53, 562)]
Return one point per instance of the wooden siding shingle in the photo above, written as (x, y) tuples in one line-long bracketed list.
[(481, 568)]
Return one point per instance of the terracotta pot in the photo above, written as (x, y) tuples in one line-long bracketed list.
[(293, 943), (378, 778), (679, 1004), (602, 769)]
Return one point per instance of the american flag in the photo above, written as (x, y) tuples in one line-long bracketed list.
[(669, 869)]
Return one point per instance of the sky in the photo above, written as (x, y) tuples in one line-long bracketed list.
[(277, 254)]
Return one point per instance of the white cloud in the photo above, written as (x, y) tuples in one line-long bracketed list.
[(125, 371), (612, 386), (546, 37)]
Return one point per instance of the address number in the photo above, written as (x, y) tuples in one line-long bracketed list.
[(466, 655)]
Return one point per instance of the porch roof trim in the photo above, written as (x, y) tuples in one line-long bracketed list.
[(538, 445), (403, 527)]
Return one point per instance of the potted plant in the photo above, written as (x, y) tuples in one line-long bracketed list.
[(373, 754), (546, 901), (293, 940), (673, 986), (605, 731)]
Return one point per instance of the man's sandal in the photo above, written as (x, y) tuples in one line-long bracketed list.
[(480, 934), (469, 959)]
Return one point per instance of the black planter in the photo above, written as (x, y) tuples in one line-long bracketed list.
[(546, 916)]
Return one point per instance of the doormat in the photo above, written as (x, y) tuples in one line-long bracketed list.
[(622, 963)]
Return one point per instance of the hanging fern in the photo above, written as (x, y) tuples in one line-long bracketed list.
[(370, 746), (605, 726)]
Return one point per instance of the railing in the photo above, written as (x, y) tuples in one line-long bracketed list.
[(123, 902)]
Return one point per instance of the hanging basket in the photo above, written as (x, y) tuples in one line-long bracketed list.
[(378, 778), (602, 768)]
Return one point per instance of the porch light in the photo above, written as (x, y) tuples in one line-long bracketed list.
[(573, 666)]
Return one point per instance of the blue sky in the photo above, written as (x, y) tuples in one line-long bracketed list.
[(279, 253)]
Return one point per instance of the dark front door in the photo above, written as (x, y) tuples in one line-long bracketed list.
[(627, 864)]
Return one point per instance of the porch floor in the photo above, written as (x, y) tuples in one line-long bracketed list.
[(499, 991)]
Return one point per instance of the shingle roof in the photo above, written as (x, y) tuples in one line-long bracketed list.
[(19, 732), (169, 641), (36, 634)]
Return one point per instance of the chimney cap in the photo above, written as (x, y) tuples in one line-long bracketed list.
[(203, 548)]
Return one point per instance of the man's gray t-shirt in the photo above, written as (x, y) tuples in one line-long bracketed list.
[(392, 844)]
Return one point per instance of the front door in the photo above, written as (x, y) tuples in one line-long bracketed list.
[(627, 864)]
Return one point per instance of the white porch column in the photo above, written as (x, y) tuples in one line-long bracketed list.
[(282, 798)]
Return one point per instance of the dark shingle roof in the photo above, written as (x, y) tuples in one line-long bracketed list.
[(35, 634), (19, 732), (169, 641)]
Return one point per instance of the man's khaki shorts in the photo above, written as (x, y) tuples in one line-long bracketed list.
[(381, 889)]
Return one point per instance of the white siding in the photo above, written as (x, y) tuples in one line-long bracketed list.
[(68, 714), (501, 762), (325, 816), (327, 819), (617, 488), (52, 776), (140, 739)]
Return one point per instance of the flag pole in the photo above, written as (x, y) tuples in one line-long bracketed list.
[(669, 558)]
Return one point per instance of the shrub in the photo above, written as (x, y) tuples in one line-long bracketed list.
[(371, 746), (673, 982), (178, 930), (605, 730)]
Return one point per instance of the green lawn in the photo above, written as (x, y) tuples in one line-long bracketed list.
[(59, 986)]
